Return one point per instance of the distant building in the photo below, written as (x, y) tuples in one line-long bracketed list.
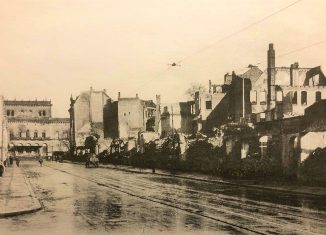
[(86, 116), (227, 102), (127, 116), (33, 131), (179, 117), (3, 132)]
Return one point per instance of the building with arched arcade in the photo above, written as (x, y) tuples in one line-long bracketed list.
[(32, 130)]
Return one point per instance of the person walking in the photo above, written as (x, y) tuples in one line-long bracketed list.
[(17, 161), (2, 168), (40, 160), (11, 160)]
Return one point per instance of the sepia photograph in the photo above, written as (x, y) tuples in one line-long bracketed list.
[(172, 117)]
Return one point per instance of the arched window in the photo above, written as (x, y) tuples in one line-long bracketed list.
[(35, 134), (44, 113), (12, 113), (27, 134), (8, 113), (318, 96), (40, 113), (303, 97), (295, 98)]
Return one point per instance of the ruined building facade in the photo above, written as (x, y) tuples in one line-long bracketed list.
[(86, 116), (128, 116), (283, 92)]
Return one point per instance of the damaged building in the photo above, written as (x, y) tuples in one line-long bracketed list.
[(128, 116)]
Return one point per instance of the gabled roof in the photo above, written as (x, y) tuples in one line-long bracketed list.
[(149, 103), (253, 73)]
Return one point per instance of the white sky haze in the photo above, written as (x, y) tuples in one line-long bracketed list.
[(54, 48)]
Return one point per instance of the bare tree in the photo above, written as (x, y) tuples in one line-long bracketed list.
[(190, 92)]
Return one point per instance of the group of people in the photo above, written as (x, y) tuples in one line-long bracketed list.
[(10, 161)]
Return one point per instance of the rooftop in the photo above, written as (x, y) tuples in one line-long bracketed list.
[(39, 120), (28, 102)]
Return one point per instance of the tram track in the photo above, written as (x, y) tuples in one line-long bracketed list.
[(133, 188), (235, 201)]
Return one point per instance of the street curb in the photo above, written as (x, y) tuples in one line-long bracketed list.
[(20, 212), (212, 181), (221, 182), (37, 204)]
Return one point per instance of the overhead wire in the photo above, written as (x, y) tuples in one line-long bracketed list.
[(290, 52), (231, 35), (239, 31)]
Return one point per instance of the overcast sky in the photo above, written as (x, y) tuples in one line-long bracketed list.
[(54, 48)]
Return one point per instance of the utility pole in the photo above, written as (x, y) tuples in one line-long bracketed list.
[(243, 99), (2, 142), (172, 119)]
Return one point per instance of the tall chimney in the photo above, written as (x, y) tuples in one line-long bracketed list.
[(209, 86), (158, 114), (119, 95), (270, 76)]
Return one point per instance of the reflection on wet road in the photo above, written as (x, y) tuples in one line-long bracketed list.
[(78, 200)]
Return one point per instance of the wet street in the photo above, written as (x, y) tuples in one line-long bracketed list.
[(101, 201)]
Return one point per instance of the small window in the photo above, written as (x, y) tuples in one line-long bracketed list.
[(303, 97), (35, 134), (40, 113), (11, 135), (279, 96), (193, 109), (44, 113), (65, 135), (318, 96), (295, 98), (12, 113), (124, 114), (20, 134), (262, 97), (57, 135), (27, 134), (43, 134), (253, 97), (8, 112), (209, 104)]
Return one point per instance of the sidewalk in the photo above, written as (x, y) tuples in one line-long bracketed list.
[(16, 194), (293, 189)]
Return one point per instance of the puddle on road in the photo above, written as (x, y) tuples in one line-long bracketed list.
[(229, 191)]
